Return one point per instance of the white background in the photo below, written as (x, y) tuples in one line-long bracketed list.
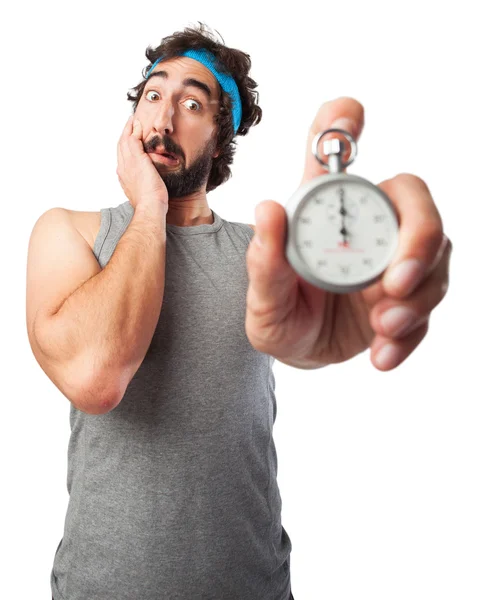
[(378, 471)]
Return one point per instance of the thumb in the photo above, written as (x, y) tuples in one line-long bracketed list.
[(272, 278)]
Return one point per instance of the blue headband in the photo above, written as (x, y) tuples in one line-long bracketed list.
[(226, 81)]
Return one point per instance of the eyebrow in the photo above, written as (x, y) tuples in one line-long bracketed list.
[(190, 82)]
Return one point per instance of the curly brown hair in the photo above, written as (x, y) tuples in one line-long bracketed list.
[(237, 64)]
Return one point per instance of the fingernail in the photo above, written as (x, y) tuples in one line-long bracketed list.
[(405, 276), (388, 357), (396, 320), (258, 213), (344, 123), (257, 216)]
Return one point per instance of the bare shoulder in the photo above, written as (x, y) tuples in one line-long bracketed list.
[(87, 223)]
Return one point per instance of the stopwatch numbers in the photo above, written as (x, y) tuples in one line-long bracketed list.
[(343, 232)]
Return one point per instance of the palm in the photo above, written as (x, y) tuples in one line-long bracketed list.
[(340, 329), (346, 330)]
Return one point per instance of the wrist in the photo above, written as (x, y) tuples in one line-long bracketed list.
[(152, 209)]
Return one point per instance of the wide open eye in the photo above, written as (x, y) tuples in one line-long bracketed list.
[(196, 102), (149, 93)]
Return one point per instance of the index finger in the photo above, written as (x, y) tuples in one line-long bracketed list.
[(342, 113), (128, 126), (122, 145), (421, 234)]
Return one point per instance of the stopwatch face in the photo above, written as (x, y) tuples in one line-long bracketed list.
[(342, 232)]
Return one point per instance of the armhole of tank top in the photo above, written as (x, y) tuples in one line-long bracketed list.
[(105, 225), (246, 229)]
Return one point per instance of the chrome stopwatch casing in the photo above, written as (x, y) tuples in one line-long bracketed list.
[(342, 230)]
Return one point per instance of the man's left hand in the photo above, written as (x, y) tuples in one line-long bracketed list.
[(307, 327)]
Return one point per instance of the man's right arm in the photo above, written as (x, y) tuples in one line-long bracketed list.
[(92, 340)]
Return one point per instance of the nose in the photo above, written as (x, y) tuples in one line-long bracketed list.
[(163, 121)]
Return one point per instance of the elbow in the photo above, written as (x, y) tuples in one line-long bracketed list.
[(98, 397)]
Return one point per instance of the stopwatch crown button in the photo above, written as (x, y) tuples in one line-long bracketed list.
[(333, 146)]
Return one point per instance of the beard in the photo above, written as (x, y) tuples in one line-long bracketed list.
[(183, 181)]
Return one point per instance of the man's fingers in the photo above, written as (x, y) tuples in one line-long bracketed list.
[(395, 319), (387, 354), (128, 126), (271, 276), (134, 142), (125, 134), (130, 142), (421, 235), (342, 113), (122, 147)]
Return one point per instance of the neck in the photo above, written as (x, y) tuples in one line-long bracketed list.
[(189, 212)]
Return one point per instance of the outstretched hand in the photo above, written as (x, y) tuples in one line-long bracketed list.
[(307, 327)]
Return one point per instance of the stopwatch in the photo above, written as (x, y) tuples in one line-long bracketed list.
[(342, 230)]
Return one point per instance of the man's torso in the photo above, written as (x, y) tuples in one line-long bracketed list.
[(154, 505)]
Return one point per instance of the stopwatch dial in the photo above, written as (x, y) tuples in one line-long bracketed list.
[(346, 232)]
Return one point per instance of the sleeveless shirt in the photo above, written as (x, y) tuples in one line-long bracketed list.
[(173, 494)]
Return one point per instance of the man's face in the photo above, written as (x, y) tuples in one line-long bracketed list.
[(179, 119)]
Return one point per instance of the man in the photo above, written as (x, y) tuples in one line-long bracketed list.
[(160, 321)]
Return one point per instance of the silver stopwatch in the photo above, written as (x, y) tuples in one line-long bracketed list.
[(342, 229)]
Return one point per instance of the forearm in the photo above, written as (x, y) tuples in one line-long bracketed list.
[(104, 328)]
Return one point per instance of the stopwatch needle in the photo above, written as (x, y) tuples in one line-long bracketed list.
[(343, 212), (345, 233)]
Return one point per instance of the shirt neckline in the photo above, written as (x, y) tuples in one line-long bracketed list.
[(190, 229)]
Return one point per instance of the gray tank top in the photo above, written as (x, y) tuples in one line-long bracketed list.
[(173, 494)]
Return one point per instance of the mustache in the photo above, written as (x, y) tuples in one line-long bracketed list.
[(167, 144)]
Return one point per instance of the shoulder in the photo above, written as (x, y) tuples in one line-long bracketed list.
[(252, 227)]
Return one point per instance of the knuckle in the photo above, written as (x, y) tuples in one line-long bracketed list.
[(418, 330), (257, 311), (433, 233), (429, 233), (406, 177), (412, 180)]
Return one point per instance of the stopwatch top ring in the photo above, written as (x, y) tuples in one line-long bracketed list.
[(352, 141)]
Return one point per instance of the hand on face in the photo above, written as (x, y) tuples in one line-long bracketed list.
[(136, 172)]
